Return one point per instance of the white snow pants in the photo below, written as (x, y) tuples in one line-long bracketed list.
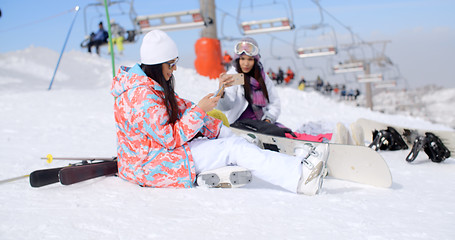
[(228, 149)]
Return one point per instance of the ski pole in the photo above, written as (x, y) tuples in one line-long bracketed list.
[(64, 45), (14, 179), (49, 158)]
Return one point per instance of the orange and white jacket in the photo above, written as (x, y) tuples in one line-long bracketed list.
[(152, 152)]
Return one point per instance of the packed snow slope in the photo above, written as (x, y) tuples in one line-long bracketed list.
[(76, 119)]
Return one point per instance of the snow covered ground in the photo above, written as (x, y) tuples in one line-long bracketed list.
[(430, 102), (75, 119)]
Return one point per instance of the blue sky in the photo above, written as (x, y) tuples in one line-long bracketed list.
[(422, 33)]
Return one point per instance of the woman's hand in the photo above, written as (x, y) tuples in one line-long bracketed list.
[(226, 80), (208, 103)]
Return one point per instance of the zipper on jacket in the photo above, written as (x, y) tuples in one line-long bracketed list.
[(187, 163)]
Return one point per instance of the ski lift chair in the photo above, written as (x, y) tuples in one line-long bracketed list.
[(130, 34), (385, 84), (328, 49), (369, 78), (266, 25), (348, 67), (348, 61), (316, 51), (391, 75), (130, 38), (171, 21)]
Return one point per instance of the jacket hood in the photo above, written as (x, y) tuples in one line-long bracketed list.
[(131, 77)]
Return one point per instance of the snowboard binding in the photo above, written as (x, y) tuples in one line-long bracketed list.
[(387, 139), (432, 146)]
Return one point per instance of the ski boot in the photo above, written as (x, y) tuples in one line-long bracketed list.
[(313, 169), (388, 139), (225, 177)]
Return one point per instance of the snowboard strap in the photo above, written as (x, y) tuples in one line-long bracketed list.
[(435, 149), (432, 146), (418, 145), (387, 139)]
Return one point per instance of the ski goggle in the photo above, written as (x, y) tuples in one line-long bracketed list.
[(247, 48), (171, 65)]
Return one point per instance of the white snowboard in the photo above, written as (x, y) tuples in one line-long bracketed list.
[(368, 126), (347, 162)]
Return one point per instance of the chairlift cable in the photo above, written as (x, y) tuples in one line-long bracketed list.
[(337, 20), (374, 50), (347, 28), (39, 21)]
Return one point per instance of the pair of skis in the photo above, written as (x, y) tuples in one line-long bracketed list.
[(87, 169)]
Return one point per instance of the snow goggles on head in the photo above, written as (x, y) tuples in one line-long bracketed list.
[(247, 48), (171, 65)]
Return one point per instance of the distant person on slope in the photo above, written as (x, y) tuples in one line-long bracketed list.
[(280, 76), (302, 83), (157, 132), (227, 59), (289, 75), (98, 38)]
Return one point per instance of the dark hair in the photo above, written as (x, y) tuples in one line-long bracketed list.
[(155, 72), (256, 72)]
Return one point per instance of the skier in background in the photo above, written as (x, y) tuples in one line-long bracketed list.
[(227, 60), (289, 75), (98, 38), (356, 94), (302, 82), (336, 89), (157, 131), (271, 74), (118, 36), (328, 89), (343, 92), (280, 76), (319, 83)]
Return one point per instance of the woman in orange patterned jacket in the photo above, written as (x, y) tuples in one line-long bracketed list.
[(158, 132)]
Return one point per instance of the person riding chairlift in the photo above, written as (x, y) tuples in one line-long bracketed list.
[(98, 38)]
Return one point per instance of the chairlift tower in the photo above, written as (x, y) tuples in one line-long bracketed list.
[(208, 47), (208, 10), (381, 60)]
